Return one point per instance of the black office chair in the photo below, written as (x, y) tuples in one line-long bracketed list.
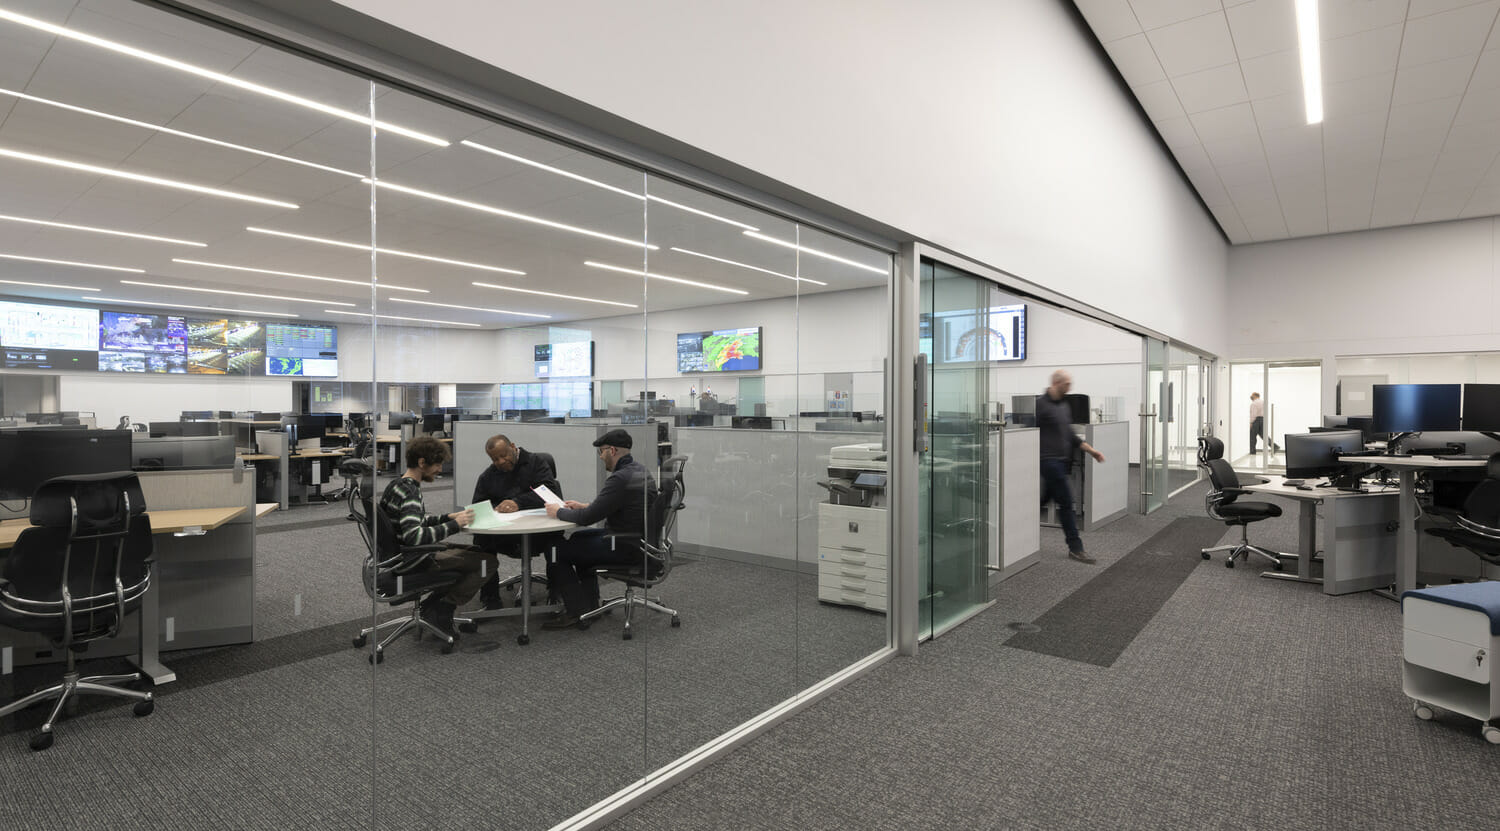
[(358, 466), (72, 576), (394, 574), (1477, 528), (1223, 504), (656, 561)]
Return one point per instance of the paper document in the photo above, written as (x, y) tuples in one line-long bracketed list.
[(548, 497), (484, 512), (486, 516)]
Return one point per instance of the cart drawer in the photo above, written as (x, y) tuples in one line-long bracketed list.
[(1446, 621), (1455, 658)]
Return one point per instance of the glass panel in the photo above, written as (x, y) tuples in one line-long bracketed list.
[(1155, 426), (1247, 389), (956, 515), (1293, 403), (1185, 419)]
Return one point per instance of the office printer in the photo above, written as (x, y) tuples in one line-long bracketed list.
[(857, 475)]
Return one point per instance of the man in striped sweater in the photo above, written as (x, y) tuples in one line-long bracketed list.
[(402, 502)]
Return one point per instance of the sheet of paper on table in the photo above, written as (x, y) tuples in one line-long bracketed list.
[(548, 497)]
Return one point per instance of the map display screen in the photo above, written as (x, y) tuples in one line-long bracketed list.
[(720, 350), (302, 350)]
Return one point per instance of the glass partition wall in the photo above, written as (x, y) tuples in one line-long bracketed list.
[(428, 278)]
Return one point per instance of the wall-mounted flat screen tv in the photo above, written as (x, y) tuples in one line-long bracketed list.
[(38, 336), (574, 359), (719, 350), (302, 350), (226, 347), (994, 334), (142, 342)]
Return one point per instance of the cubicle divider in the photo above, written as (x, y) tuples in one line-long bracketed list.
[(1015, 500)]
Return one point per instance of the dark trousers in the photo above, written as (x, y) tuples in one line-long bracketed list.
[(1057, 486), (1257, 430), (572, 574)]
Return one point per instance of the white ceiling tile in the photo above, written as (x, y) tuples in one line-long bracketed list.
[(1306, 212), (1436, 112), (1192, 157), (1492, 178), (1475, 160), (1368, 53), (1154, 14), (1405, 144), (1353, 128), (1395, 211), (1459, 32), (1404, 175), (1360, 95), (1284, 112), (1338, 18), (1278, 73), (1135, 60), (1262, 27), (1249, 173), (1233, 122), (1483, 202), (1210, 188), (1192, 45), (1455, 179), (1159, 101), (1347, 177), (1110, 19), (1307, 167), (1486, 71), (1422, 8), (1471, 136), (1439, 79), (1251, 192), (1210, 88), (1176, 132), (1235, 151), (1483, 105), (1262, 218), (1292, 141), (1229, 220)]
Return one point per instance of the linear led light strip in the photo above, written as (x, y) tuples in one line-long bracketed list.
[(397, 317), (554, 294), (391, 251), (491, 209), (237, 293), (162, 60), (46, 285), (747, 265), (194, 136), (141, 177), (596, 183), (470, 308), (364, 283), (94, 230), (813, 251), (72, 263), (1310, 50), (187, 306), (623, 270)]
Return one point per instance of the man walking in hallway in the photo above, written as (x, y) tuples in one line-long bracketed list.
[(1054, 418)]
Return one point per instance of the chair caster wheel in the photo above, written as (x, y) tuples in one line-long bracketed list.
[(1422, 711), (1229, 563), (449, 647), (41, 741), (1491, 734), (1277, 567), (625, 636), (468, 628), (676, 622), (1207, 556), (144, 708), (360, 641), (377, 658), (523, 639)]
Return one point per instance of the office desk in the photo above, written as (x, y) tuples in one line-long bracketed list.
[(1358, 552), (525, 526), (1406, 535), (183, 521)]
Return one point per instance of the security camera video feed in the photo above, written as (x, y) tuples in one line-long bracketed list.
[(138, 342), (226, 347)]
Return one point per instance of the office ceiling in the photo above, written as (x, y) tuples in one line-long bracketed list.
[(546, 223), (1411, 96)]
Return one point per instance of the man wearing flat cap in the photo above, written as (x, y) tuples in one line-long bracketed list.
[(621, 504)]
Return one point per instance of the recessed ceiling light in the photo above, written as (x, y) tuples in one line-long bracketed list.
[(141, 177), (747, 265), (194, 136), (397, 317), (391, 251), (470, 308), (187, 306), (654, 276), (72, 263), (162, 60), (815, 252), (46, 285), (365, 283), (237, 293), (92, 229), (554, 294), (1310, 51), (491, 209), (596, 183)]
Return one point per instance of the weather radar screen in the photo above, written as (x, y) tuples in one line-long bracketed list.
[(720, 350)]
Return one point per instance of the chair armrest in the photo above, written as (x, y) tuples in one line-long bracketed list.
[(1236, 491), (1482, 530), (416, 556)]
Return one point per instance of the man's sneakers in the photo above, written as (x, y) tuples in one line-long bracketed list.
[(439, 613), (1081, 556), (563, 620)]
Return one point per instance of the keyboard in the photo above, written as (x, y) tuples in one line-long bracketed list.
[(1292, 483)]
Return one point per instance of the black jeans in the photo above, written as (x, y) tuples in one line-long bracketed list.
[(572, 575), (1257, 430), (1058, 487)]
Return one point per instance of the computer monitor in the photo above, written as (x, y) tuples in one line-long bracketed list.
[(199, 428), (357, 420), (1310, 455), (434, 422), (194, 415), (1078, 407), (165, 428), (1412, 408), (311, 427), (395, 420), (1482, 407), (181, 452), (34, 456)]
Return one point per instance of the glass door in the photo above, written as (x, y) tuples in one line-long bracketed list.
[(1156, 409), (954, 526), (1269, 400), (1187, 379)]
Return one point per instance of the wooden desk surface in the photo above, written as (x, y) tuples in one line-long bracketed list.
[(162, 522), (257, 457), (263, 508)]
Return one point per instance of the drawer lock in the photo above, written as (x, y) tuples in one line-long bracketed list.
[(1479, 658)]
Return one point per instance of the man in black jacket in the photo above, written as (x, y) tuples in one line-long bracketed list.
[(507, 483), (621, 503)]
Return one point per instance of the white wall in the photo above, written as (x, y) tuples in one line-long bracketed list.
[(990, 128), (147, 398)]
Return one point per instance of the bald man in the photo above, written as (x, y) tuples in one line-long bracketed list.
[(1054, 418)]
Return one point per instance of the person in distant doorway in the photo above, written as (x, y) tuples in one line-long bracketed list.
[(1257, 420), (1054, 418)]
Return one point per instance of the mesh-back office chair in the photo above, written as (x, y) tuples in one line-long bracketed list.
[(394, 574), (73, 575), (539, 546), (1477, 528), (656, 562), (358, 466), (1223, 504)]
